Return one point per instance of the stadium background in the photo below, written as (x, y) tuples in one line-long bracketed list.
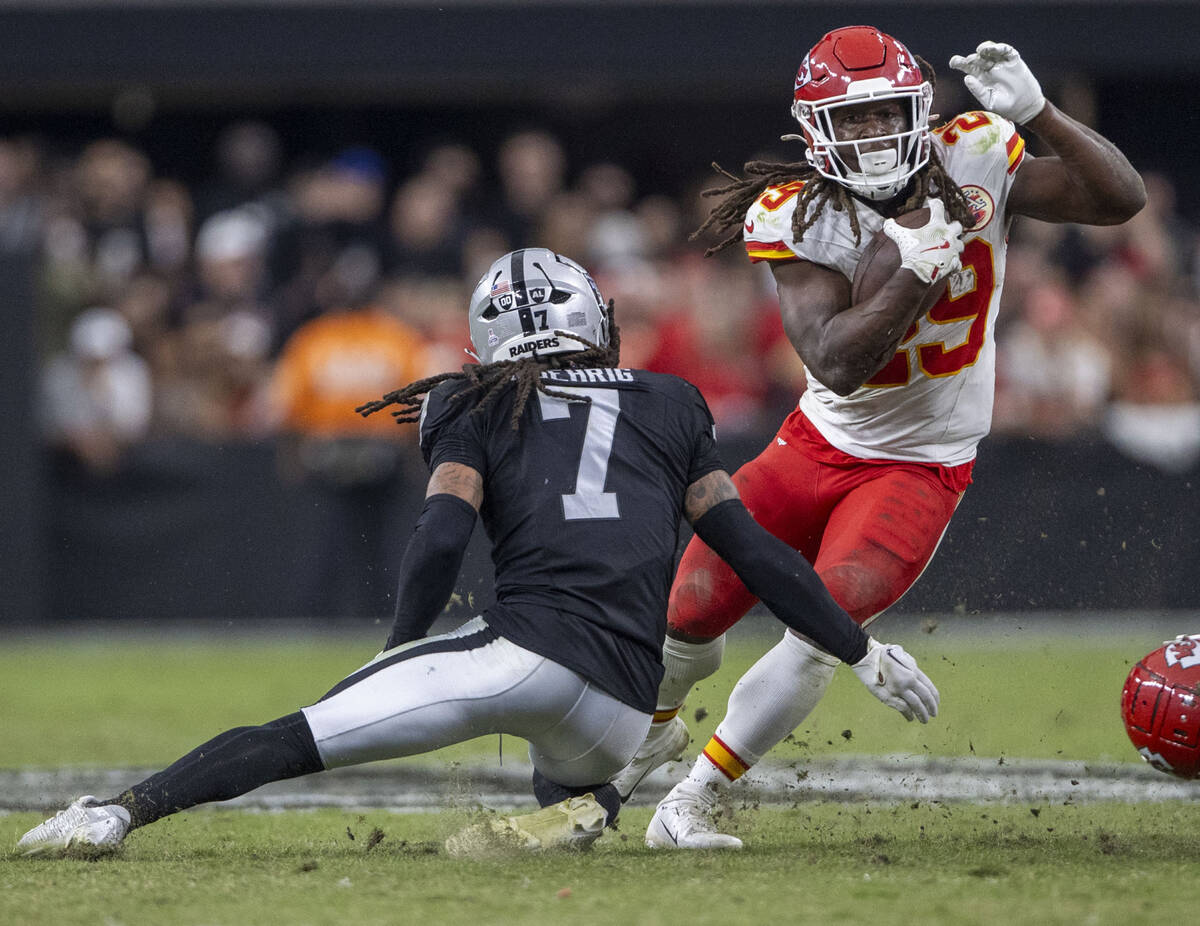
[(185, 491)]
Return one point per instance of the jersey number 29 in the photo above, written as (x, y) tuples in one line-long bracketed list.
[(589, 501)]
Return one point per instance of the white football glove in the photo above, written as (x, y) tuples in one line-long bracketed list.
[(931, 251), (1001, 81), (892, 676)]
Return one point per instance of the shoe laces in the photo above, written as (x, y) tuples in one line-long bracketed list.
[(67, 819), (704, 802)]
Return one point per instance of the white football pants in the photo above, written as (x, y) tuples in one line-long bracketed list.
[(471, 682)]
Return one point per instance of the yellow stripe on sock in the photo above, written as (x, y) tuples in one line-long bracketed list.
[(725, 759), (664, 716)]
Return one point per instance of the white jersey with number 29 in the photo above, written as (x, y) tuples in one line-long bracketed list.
[(932, 402)]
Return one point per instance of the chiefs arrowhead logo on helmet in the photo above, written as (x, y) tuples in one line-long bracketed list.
[(1184, 653)]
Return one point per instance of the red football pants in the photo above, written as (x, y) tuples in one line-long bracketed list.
[(868, 527)]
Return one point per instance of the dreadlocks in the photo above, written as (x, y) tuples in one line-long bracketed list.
[(484, 383), (817, 192)]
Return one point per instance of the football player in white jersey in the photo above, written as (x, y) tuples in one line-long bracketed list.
[(863, 477)]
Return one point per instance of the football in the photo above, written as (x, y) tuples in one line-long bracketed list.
[(1160, 706), (881, 258)]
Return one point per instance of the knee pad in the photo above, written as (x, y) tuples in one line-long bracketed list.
[(862, 591), (707, 597)]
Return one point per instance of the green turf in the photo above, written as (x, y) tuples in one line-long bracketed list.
[(145, 701), (820, 863)]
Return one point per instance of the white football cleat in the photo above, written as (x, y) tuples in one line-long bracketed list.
[(683, 820), (85, 823), (574, 823), (666, 744)]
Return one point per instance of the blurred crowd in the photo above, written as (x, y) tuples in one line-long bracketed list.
[(274, 297)]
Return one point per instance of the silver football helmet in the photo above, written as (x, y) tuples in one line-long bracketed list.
[(526, 298)]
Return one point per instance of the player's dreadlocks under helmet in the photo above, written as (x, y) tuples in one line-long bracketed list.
[(847, 67), (533, 310)]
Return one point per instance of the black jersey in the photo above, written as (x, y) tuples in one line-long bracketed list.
[(582, 504)]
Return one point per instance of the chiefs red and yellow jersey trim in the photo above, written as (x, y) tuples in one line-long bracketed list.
[(769, 250), (1016, 151), (969, 122), (724, 758)]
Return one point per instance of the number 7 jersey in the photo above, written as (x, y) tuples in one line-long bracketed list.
[(932, 402), (582, 503)]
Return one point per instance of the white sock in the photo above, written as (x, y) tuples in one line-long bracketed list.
[(684, 665), (767, 703)]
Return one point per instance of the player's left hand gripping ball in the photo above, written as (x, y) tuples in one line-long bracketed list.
[(1001, 81), (892, 676), (931, 251)]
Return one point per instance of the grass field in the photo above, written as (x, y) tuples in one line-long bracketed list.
[(143, 700), (826, 863)]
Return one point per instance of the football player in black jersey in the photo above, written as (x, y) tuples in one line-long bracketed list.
[(580, 470)]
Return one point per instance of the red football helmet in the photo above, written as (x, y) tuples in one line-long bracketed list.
[(859, 64), (1160, 705)]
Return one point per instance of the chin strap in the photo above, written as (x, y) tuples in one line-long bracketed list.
[(858, 187)]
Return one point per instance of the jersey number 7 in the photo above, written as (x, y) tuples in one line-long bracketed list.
[(589, 501)]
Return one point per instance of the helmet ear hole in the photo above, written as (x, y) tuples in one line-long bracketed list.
[(490, 313)]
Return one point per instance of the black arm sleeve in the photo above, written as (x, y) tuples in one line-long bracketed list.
[(781, 578), (430, 565)]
